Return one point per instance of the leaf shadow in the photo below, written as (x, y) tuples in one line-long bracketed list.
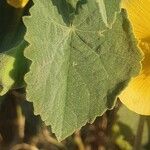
[(111, 94), (66, 10)]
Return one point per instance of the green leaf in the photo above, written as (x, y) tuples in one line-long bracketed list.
[(79, 65), (128, 127), (73, 3), (13, 64), (13, 67)]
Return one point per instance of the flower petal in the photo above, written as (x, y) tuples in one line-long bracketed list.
[(139, 14), (17, 3), (137, 94)]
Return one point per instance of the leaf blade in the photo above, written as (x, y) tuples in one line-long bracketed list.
[(83, 68)]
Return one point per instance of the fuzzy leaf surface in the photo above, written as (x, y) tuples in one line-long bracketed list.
[(79, 63)]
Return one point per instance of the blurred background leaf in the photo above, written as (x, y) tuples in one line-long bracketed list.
[(125, 129)]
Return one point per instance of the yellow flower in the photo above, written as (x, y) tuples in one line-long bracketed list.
[(137, 94), (17, 3)]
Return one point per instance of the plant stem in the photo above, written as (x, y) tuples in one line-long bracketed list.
[(138, 138)]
